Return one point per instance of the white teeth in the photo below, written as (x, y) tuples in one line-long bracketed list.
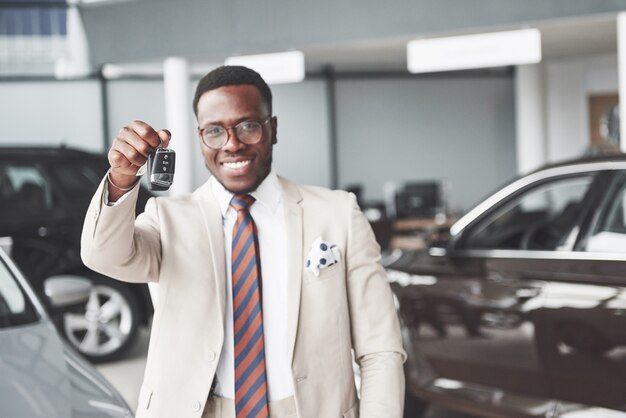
[(237, 164)]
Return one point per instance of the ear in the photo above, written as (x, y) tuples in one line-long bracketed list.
[(200, 137), (274, 128)]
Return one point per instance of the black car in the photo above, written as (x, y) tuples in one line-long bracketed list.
[(44, 194), (522, 312)]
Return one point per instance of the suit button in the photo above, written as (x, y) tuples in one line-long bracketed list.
[(211, 356), (196, 406), (95, 214)]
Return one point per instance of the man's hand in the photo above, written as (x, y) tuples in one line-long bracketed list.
[(129, 152)]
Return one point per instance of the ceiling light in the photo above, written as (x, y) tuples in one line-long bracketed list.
[(474, 51), (281, 67), (97, 2)]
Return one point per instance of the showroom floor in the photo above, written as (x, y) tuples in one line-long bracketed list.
[(126, 375)]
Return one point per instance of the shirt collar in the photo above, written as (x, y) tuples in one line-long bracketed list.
[(269, 193)]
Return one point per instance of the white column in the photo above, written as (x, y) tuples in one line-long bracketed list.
[(178, 121), (529, 117), (621, 68)]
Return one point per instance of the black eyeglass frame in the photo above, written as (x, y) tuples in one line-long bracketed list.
[(234, 129)]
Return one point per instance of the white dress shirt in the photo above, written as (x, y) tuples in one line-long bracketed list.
[(269, 216)]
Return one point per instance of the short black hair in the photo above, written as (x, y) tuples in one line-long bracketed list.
[(232, 75)]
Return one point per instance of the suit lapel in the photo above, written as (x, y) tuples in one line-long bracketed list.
[(293, 225), (294, 228), (212, 217)]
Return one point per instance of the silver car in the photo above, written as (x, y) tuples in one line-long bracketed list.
[(40, 375)]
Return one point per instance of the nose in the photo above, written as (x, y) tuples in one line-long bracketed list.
[(233, 143)]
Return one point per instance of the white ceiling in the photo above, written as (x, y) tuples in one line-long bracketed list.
[(561, 38)]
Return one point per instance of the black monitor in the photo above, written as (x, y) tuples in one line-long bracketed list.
[(420, 200)]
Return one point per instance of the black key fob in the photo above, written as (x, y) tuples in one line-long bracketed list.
[(161, 164)]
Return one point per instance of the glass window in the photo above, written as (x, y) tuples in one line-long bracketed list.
[(609, 233), (15, 308), (543, 217)]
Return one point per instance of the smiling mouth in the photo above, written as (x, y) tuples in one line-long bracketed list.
[(236, 164)]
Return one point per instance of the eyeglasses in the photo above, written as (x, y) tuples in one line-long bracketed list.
[(249, 132)]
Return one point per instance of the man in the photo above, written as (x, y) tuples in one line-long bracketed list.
[(265, 286)]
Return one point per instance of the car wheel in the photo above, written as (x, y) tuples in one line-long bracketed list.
[(109, 323)]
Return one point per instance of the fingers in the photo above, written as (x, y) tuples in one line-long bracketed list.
[(165, 137), (128, 153), (132, 145)]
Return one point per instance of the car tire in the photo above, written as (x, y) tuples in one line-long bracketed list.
[(108, 324)]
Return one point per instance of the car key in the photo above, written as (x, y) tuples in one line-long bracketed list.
[(161, 165)]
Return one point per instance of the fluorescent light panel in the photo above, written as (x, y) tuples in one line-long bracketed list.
[(277, 68), (474, 51), (148, 69)]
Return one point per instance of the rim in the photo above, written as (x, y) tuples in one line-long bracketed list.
[(104, 326)]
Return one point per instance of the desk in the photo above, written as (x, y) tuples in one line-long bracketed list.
[(414, 233)]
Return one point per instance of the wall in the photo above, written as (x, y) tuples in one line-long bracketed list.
[(135, 99), (374, 143), (394, 128), (56, 112), (412, 129), (51, 113), (568, 84), (303, 148)]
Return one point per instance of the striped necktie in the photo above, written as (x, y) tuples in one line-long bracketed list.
[(250, 378)]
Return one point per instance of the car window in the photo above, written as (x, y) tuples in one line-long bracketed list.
[(23, 190), (543, 217), (609, 233), (15, 308)]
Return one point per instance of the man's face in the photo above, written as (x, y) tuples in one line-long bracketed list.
[(239, 167)]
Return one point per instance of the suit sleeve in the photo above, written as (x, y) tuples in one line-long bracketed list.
[(375, 327), (115, 244)]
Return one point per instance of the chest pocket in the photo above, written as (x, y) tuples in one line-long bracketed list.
[(333, 272)]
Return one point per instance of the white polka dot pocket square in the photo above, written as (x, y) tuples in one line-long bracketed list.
[(323, 254)]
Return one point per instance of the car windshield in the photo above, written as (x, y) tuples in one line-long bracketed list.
[(15, 307)]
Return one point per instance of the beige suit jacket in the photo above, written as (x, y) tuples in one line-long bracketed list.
[(179, 243)]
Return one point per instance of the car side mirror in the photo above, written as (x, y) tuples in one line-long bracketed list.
[(67, 290)]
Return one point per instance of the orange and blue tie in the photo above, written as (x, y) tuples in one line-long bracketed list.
[(250, 378)]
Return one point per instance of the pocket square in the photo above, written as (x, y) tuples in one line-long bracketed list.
[(323, 254)]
